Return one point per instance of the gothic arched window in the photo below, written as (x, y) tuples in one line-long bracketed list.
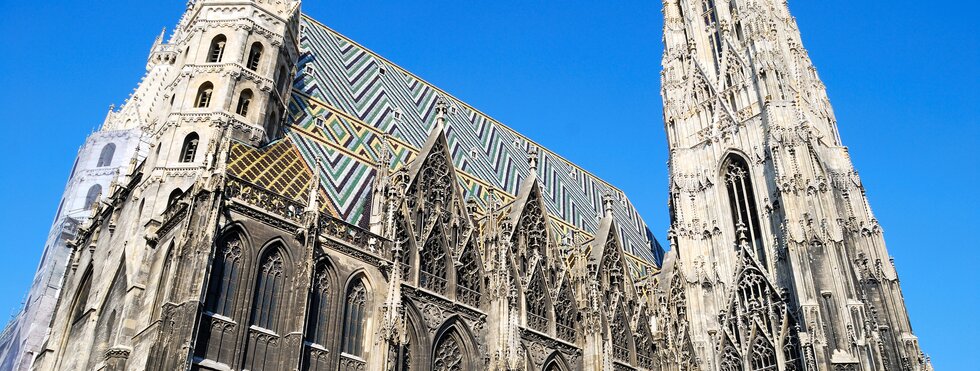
[(204, 94), (217, 50), (432, 264), (244, 100), (553, 366), (81, 300), (646, 349), (730, 360), (468, 278), (93, 195), (268, 291), (189, 150), (536, 304), (763, 355), (448, 355), (354, 313), (621, 336), (254, 56), (175, 196), (163, 283), (105, 158), (318, 323), (741, 200), (225, 271), (565, 314)]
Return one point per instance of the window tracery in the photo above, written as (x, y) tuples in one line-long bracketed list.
[(646, 349), (224, 277), (531, 232), (745, 214), (318, 324), (468, 279), (730, 360), (432, 264), (448, 355), (536, 304), (763, 355), (565, 314), (268, 288), (355, 305), (621, 332), (612, 267)]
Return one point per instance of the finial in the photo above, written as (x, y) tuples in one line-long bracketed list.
[(441, 109), (607, 204), (532, 158), (160, 38)]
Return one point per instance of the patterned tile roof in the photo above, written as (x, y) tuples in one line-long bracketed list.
[(346, 99)]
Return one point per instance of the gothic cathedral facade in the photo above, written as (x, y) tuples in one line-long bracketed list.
[(289, 200)]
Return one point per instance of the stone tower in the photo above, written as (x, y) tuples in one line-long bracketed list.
[(223, 75), (785, 264)]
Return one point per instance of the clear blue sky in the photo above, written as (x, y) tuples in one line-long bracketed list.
[(582, 78)]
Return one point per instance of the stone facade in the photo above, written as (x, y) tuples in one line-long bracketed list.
[(298, 202)]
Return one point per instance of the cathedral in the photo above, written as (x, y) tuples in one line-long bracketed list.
[(274, 196)]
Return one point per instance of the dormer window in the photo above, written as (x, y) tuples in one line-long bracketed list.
[(217, 49)]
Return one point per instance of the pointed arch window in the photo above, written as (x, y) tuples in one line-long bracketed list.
[(448, 355), (217, 50), (536, 304), (163, 284), (318, 322), (763, 355), (175, 196), (244, 100), (189, 150), (225, 272), (254, 57), (710, 16), (646, 349), (204, 94), (741, 200), (105, 158), (730, 360), (354, 314), (81, 301), (432, 264), (565, 314), (268, 291), (94, 193), (468, 278), (622, 335), (554, 366)]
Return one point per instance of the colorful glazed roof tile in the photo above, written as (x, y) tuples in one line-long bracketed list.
[(347, 100)]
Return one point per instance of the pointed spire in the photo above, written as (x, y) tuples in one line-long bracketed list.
[(159, 39)]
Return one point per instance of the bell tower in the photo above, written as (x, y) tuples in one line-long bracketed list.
[(773, 233)]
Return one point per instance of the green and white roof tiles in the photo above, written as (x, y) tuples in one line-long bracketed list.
[(349, 103)]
